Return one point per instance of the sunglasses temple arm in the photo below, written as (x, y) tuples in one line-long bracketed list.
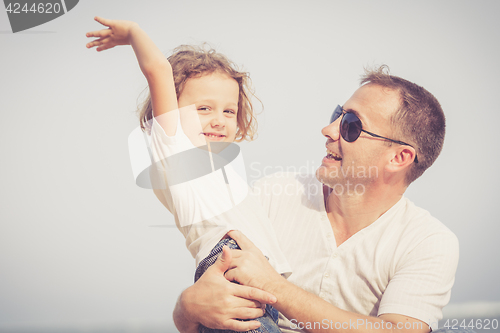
[(381, 137)]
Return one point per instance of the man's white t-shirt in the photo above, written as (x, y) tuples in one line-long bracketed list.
[(403, 263)]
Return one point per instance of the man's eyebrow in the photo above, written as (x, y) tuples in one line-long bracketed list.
[(356, 113)]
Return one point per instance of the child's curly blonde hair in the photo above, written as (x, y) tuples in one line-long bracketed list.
[(195, 61)]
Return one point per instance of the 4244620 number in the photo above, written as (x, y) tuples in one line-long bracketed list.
[(484, 324), (41, 8)]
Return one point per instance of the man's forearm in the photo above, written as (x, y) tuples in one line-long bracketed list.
[(183, 324), (249, 267), (313, 314)]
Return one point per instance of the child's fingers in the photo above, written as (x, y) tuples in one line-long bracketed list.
[(98, 42), (104, 47), (99, 33), (92, 44), (103, 21)]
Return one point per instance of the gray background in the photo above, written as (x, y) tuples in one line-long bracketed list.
[(82, 246)]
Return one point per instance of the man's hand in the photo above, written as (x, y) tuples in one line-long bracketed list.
[(215, 302), (250, 267)]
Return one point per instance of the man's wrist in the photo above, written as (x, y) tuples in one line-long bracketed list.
[(183, 319), (184, 301), (276, 285)]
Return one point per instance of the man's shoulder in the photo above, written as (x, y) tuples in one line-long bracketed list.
[(420, 221), (288, 183), (289, 198), (287, 177)]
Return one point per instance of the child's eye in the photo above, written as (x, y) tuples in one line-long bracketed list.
[(230, 111), (204, 109)]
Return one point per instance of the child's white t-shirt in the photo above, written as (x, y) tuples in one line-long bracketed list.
[(207, 204)]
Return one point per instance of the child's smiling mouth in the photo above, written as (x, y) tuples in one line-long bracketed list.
[(214, 136)]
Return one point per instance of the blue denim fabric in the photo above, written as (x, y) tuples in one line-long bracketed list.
[(269, 322)]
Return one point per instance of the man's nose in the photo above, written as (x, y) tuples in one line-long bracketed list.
[(332, 131)]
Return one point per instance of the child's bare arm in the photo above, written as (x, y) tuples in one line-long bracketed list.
[(152, 62)]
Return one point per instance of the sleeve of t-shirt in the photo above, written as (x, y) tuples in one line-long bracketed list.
[(421, 285), (161, 148), (162, 145)]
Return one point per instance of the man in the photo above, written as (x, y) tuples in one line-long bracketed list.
[(364, 258)]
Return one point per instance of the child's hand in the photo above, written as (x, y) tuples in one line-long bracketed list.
[(118, 33)]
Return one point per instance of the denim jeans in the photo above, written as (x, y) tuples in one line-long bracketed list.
[(269, 322)]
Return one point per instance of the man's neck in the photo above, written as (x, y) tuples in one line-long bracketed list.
[(350, 214)]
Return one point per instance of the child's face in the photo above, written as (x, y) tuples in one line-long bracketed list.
[(216, 98)]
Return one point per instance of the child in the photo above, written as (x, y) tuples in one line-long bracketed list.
[(198, 106)]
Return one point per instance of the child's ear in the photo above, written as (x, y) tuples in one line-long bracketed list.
[(402, 158)]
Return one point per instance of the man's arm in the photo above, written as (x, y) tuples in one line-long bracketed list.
[(305, 310), (215, 302), (183, 324)]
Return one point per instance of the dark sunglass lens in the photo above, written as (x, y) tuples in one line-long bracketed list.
[(350, 128), (336, 114)]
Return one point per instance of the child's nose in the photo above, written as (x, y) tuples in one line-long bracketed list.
[(218, 120)]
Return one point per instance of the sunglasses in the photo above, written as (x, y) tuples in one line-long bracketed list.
[(351, 128)]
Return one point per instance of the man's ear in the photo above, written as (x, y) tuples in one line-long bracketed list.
[(402, 158)]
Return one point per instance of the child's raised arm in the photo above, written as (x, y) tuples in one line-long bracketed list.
[(153, 63)]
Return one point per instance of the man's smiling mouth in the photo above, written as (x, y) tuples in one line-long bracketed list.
[(332, 156)]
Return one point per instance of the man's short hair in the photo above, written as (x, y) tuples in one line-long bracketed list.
[(419, 121)]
